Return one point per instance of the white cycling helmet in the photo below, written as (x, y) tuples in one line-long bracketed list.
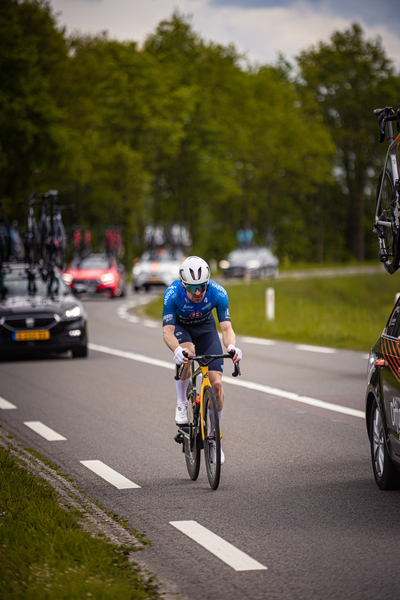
[(194, 271)]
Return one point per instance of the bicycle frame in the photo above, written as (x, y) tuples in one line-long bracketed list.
[(203, 369), (189, 434)]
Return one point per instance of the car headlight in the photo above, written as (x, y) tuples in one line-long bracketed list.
[(73, 313), (136, 270), (107, 278), (67, 278), (224, 264), (253, 264)]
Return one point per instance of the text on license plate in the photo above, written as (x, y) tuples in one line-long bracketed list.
[(27, 336)]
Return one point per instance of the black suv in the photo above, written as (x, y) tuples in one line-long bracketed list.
[(38, 312)]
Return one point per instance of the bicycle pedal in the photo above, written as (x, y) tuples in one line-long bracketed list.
[(179, 438)]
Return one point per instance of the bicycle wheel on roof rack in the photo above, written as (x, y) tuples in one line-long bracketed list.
[(388, 238)]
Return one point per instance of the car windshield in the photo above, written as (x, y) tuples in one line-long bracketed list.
[(161, 256), (31, 282), (250, 254), (92, 262), (243, 254)]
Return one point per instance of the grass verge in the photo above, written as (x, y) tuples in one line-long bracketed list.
[(341, 311), (45, 553)]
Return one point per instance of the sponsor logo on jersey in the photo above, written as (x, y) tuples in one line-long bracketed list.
[(195, 315), (170, 292), (219, 287)]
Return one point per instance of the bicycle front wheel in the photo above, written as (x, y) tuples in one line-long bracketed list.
[(212, 439), (388, 237), (191, 445)]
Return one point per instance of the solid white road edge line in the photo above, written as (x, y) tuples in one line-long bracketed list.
[(6, 405), (49, 434), (223, 550), (107, 473), (266, 389)]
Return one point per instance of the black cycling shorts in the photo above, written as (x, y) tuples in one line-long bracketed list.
[(205, 339)]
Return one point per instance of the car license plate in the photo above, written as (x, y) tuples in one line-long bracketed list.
[(28, 336)]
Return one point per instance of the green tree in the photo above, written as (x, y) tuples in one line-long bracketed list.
[(348, 77), (32, 50), (250, 152)]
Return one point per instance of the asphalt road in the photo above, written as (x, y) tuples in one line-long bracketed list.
[(297, 514)]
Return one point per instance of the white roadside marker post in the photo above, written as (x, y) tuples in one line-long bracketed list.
[(270, 304)]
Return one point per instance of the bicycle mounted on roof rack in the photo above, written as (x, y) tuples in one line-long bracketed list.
[(53, 234), (387, 213), (45, 243)]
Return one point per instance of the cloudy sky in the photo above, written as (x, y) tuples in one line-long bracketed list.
[(262, 28)]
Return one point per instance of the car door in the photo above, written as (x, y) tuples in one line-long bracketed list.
[(391, 377)]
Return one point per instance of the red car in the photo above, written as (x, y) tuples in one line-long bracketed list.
[(97, 273)]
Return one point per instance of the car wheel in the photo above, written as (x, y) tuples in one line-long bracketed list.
[(386, 475), (146, 287), (80, 352)]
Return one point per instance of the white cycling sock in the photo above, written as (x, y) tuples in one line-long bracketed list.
[(220, 416), (181, 387)]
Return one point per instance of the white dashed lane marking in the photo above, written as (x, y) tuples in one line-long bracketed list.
[(6, 405), (49, 434), (319, 349), (238, 560), (259, 341), (123, 313), (111, 476)]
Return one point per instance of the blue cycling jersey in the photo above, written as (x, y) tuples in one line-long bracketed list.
[(177, 308)]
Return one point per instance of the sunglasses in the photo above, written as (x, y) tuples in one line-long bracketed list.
[(192, 288)]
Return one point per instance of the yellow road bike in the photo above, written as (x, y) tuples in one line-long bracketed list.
[(202, 432)]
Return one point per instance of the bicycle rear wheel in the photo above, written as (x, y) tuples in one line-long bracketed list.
[(212, 441), (388, 237), (191, 445)]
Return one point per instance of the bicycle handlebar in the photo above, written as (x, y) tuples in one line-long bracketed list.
[(205, 360), (384, 115)]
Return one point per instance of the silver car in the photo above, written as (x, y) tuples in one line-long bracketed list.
[(156, 267), (255, 262)]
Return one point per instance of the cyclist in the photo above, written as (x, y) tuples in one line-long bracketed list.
[(188, 324)]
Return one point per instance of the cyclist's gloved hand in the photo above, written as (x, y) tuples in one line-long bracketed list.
[(179, 356), (237, 351)]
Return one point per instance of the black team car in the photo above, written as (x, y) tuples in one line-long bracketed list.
[(39, 313), (382, 407)]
